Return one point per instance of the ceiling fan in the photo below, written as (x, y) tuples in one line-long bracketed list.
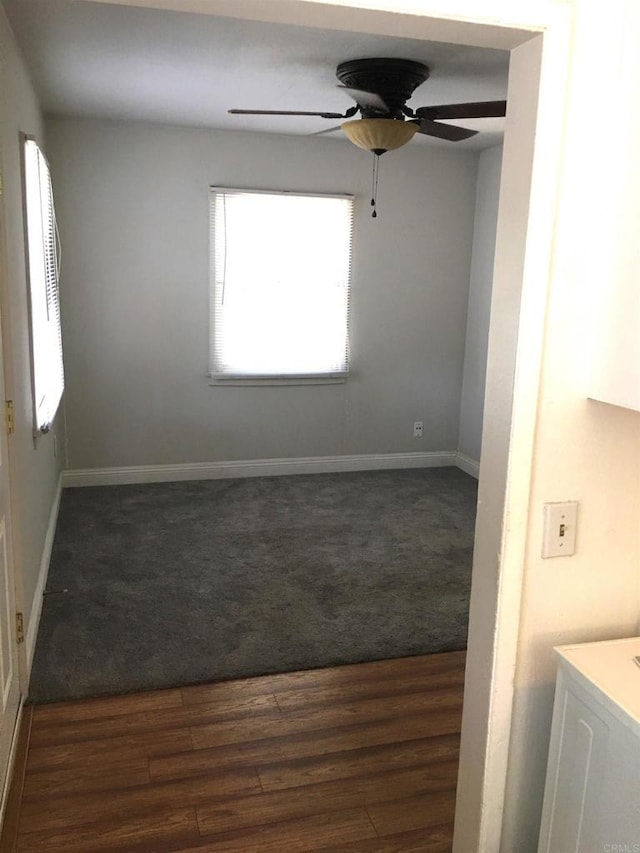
[(381, 89)]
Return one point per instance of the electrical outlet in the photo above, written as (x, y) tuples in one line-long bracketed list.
[(418, 429), (560, 522)]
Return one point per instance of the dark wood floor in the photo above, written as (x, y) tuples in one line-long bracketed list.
[(355, 759)]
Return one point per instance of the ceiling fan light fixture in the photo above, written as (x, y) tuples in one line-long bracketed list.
[(379, 134)]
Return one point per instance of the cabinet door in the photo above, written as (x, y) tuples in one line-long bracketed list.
[(620, 803), (575, 778)]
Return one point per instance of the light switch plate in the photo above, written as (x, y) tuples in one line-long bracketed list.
[(560, 527)]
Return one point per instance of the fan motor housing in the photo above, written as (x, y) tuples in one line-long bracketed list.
[(393, 79)]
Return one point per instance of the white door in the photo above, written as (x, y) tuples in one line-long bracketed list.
[(9, 677), (9, 673)]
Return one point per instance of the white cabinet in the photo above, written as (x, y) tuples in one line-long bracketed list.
[(611, 259), (615, 373), (592, 792)]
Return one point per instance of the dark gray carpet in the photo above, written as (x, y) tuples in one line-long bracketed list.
[(178, 583)]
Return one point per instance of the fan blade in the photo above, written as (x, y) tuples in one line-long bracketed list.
[(480, 109), (328, 130), (443, 131), (369, 100), (284, 113)]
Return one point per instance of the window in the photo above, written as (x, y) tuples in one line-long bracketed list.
[(280, 276), (44, 302)]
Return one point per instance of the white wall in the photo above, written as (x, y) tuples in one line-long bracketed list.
[(480, 282), (132, 207), (34, 469), (503, 484)]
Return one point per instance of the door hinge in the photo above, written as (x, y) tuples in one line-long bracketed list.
[(11, 424), (20, 628)]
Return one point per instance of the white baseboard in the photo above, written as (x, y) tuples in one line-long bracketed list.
[(36, 607), (468, 464), (255, 468)]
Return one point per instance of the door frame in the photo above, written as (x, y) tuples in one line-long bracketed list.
[(21, 673)]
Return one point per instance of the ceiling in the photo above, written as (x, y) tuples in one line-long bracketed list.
[(128, 63)]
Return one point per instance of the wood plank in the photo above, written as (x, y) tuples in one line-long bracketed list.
[(11, 822), (184, 764), (345, 713), (446, 682), (379, 759), (308, 833), (200, 762), (318, 679), (106, 706), (169, 830), (436, 839), (199, 694), (55, 813), (351, 676), (154, 720), (385, 674), (413, 813), (110, 773), (78, 753), (272, 807)]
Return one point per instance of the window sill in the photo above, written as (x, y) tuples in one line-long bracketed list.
[(221, 381)]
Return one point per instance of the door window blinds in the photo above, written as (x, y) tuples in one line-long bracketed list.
[(44, 301)]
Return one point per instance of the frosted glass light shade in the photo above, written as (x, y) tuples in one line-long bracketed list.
[(379, 134)]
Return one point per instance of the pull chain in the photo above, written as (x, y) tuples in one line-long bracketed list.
[(374, 182)]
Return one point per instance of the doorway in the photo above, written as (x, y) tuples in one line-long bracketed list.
[(531, 162)]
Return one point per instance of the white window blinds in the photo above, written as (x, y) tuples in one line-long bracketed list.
[(280, 279), (42, 256)]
